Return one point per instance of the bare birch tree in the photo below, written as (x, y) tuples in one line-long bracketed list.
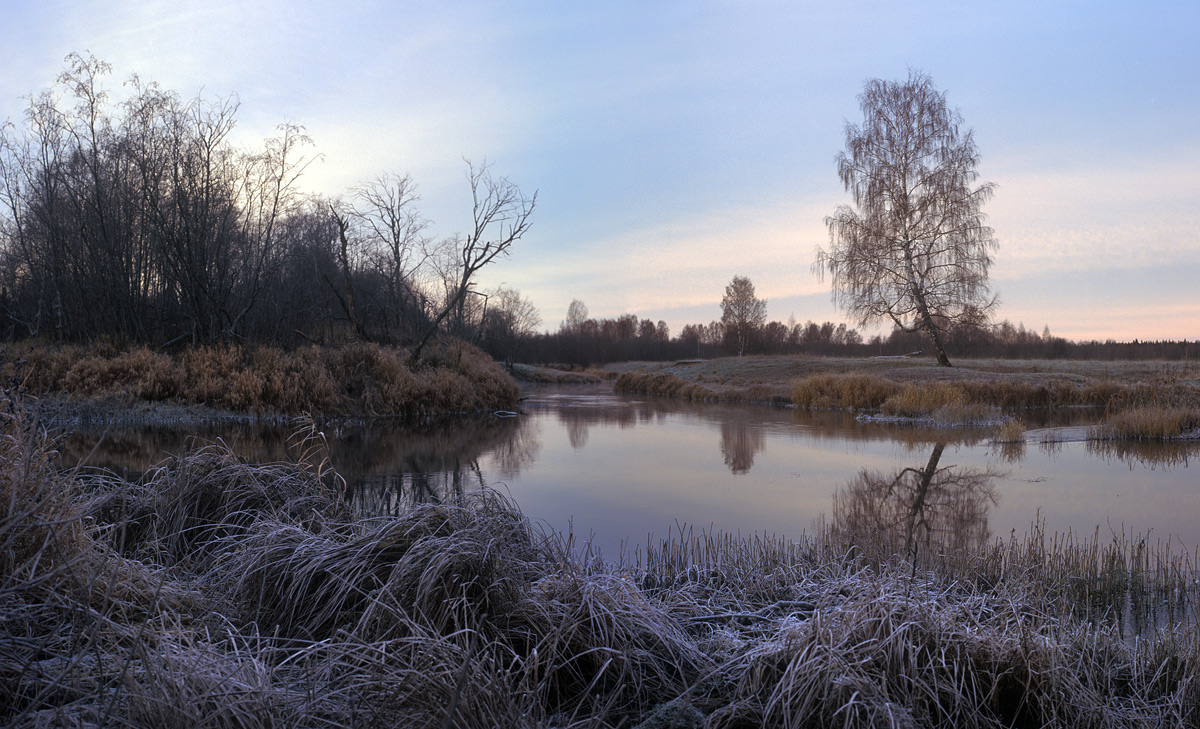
[(913, 249), (742, 313)]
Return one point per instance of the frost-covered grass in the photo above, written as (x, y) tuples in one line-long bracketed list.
[(219, 593)]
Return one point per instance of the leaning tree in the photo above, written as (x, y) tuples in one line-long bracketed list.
[(913, 249)]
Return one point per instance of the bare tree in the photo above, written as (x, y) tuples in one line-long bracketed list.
[(508, 320), (577, 314), (390, 227), (913, 249), (502, 214), (742, 314)]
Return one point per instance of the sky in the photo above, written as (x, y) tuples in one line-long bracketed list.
[(674, 145)]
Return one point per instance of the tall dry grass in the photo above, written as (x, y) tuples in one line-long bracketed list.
[(221, 593), (1161, 407), (851, 392), (356, 379), (1149, 423)]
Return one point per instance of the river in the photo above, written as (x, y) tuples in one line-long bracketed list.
[(618, 470)]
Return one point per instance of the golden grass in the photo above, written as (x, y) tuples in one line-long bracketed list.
[(968, 399), (843, 392), (1010, 430), (358, 379), (966, 393), (1149, 423), (661, 383), (220, 593), (666, 384)]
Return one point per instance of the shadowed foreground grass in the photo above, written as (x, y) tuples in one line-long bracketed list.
[(217, 593)]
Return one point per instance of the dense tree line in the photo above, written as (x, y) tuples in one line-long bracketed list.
[(581, 340), (584, 341), (139, 220)]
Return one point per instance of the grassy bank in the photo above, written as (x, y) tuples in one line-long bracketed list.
[(356, 379), (973, 392), (217, 593)]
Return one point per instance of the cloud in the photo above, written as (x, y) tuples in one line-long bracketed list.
[(1134, 214)]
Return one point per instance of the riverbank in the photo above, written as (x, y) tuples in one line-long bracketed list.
[(205, 384), (1167, 394), (218, 593)]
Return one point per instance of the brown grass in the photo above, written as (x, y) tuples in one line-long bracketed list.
[(666, 384), (842, 392), (966, 392), (220, 593), (357, 379), (1143, 423)]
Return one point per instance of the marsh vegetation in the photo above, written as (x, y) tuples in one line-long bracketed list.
[(213, 592), (358, 379)]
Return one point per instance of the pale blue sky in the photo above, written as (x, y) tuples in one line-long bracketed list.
[(675, 145)]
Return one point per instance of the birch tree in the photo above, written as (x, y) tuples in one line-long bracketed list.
[(742, 313), (913, 248)]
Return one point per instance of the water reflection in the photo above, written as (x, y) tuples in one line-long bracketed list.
[(386, 465), (1152, 454), (740, 442), (918, 508), (621, 468)]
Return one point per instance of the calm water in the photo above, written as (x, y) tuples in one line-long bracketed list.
[(619, 470)]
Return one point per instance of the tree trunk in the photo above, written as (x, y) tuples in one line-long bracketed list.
[(938, 350), (926, 321)]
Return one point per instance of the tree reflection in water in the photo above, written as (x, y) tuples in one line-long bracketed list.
[(386, 472), (918, 509), (740, 443)]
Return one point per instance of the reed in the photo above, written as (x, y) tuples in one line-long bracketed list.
[(853, 392), (664, 384), (1149, 423), (1009, 431), (355, 379)]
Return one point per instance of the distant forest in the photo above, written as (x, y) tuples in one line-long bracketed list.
[(139, 222), (626, 338)]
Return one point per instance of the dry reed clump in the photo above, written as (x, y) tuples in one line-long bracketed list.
[(855, 392), (29, 368), (916, 401), (219, 376), (360, 378), (378, 378), (489, 385), (139, 372), (662, 383), (68, 601), (185, 681), (1149, 423), (1010, 430), (294, 382)]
